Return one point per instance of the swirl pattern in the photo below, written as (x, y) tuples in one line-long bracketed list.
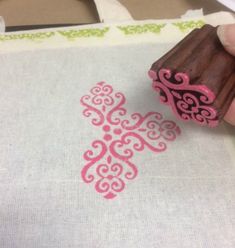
[(188, 102), (108, 163)]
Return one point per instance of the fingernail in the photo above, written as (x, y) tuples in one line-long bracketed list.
[(226, 34)]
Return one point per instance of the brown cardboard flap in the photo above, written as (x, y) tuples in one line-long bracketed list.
[(163, 9), (34, 12)]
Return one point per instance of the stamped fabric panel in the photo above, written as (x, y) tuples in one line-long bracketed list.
[(48, 134), (123, 136)]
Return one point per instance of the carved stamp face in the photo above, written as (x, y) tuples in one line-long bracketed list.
[(188, 102), (108, 163)]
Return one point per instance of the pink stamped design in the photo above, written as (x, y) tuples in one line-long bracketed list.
[(187, 101), (109, 164)]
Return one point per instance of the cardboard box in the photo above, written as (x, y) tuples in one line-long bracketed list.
[(33, 12)]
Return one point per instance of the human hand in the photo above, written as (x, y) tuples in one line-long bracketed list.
[(226, 34)]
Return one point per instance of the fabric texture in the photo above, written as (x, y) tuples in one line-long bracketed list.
[(2, 24), (112, 10), (90, 158)]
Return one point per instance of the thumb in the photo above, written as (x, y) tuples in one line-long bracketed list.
[(226, 34), (230, 115)]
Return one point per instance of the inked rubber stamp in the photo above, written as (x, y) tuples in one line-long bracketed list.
[(196, 78)]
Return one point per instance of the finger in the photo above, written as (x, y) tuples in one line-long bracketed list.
[(230, 115), (226, 34)]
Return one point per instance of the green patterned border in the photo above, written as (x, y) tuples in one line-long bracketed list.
[(189, 25), (27, 36), (69, 34), (140, 29), (73, 34), (84, 33)]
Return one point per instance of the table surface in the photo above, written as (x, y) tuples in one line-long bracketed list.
[(32, 12)]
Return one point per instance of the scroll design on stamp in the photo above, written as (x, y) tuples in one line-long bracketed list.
[(188, 102)]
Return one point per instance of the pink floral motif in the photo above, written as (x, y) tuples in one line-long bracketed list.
[(109, 164), (188, 102)]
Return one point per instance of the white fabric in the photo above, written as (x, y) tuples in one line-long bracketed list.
[(193, 13), (170, 33), (182, 197), (226, 18), (2, 25), (112, 11)]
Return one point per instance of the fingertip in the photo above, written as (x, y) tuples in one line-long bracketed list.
[(230, 115), (226, 34)]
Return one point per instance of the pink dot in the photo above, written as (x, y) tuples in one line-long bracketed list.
[(110, 177), (106, 128), (117, 131), (107, 137)]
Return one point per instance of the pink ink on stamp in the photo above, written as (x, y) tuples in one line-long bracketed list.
[(187, 101), (196, 78), (109, 164)]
